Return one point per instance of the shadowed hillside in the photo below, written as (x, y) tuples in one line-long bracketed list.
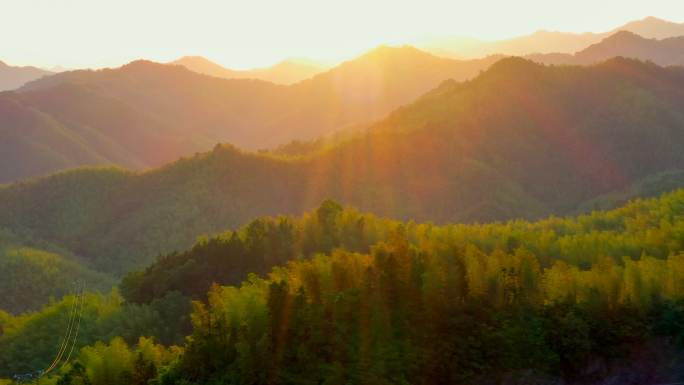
[(665, 52), (68, 126), (15, 77)]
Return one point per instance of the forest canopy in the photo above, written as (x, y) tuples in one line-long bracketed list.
[(336, 295)]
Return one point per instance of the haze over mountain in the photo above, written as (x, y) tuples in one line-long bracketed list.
[(519, 141), (544, 42), (15, 77), (57, 69), (146, 114), (67, 126), (665, 52), (285, 72)]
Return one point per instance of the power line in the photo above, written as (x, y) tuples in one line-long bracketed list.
[(79, 294), (70, 325), (77, 328)]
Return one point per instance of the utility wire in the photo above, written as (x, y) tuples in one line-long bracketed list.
[(70, 329), (67, 335), (77, 329)]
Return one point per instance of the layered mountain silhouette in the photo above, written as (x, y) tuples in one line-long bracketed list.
[(285, 72), (545, 42), (521, 140), (145, 114), (67, 126), (653, 28), (14, 77), (665, 52)]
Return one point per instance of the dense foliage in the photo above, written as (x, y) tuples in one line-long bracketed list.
[(446, 305), (652, 227), (28, 278), (30, 342), (298, 147), (351, 298), (435, 314)]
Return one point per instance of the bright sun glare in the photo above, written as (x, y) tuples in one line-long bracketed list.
[(247, 34)]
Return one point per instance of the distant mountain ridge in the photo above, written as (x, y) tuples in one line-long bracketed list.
[(546, 42), (67, 126), (164, 111), (15, 77), (145, 114), (665, 52), (286, 72)]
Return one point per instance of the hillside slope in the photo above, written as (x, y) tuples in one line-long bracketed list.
[(665, 52), (68, 126), (519, 141), (146, 114), (15, 77), (29, 278), (459, 304), (548, 119), (254, 114), (609, 282)]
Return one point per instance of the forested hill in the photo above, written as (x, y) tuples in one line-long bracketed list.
[(68, 126), (343, 296), (29, 278), (562, 133), (519, 141), (146, 114), (252, 114), (638, 228)]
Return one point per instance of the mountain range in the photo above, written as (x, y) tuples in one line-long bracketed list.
[(665, 52), (545, 42), (14, 77), (459, 48), (145, 114), (521, 140), (285, 72)]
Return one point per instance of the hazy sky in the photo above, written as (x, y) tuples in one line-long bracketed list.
[(253, 33)]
